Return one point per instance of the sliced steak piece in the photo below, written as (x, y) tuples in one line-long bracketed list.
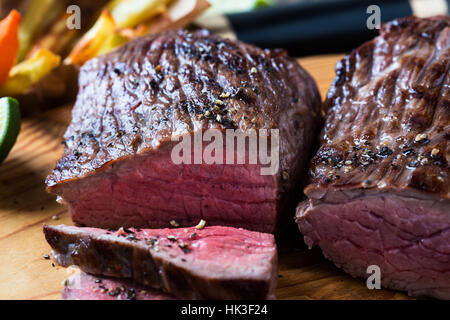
[(117, 168), (83, 286), (379, 193), (211, 263)]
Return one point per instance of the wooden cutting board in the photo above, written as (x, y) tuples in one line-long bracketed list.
[(25, 207)]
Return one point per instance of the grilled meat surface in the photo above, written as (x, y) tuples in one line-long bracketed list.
[(379, 190), (116, 169)]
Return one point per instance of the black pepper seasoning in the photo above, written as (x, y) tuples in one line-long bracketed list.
[(384, 152)]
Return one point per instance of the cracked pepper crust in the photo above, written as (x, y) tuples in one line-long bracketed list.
[(388, 122), (139, 96)]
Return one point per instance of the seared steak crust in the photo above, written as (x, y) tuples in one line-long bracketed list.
[(161, 86), (388, 109), (379, 191)]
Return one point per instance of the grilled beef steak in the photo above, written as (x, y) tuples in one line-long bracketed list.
[(210, 263), (83, 286), (117, 168), (380, 181)]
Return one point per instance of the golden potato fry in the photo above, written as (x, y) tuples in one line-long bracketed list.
[(179, 14), (58, 39), (115, 40), (40, 14), (27, 73), (130, 13), (92, 42)]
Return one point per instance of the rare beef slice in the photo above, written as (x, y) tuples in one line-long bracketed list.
[(84, 286), (189, 263)]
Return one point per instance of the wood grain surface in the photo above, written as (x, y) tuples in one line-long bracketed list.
[(25, 207)]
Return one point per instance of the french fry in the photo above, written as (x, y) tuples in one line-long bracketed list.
[(39, 15), (58, 39), (92, 42), (27, 73), (115, 40), (179, 14), (123, 20), (106, 34), (130, 13)]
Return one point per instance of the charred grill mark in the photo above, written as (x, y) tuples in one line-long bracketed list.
[(137, 96), (391, 92)]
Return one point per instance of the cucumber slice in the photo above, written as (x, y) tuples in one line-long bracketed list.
[(9, 125)]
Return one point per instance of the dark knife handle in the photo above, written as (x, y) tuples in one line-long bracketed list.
[(314, 27)]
